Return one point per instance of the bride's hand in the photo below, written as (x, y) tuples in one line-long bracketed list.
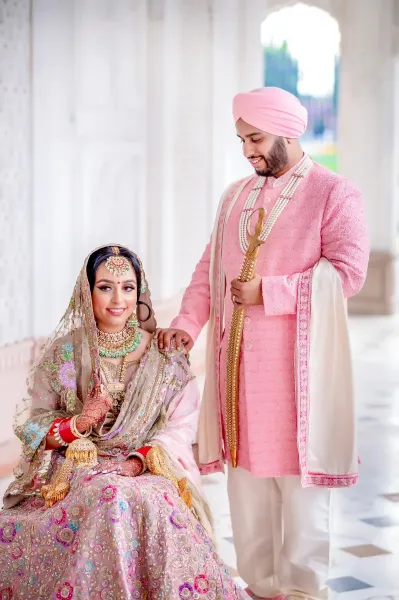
[(128, 468), (98, 403)]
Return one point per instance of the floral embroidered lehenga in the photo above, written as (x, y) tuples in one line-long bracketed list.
[(111, 536)]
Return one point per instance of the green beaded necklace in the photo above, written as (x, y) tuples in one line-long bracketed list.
[(118, 345)]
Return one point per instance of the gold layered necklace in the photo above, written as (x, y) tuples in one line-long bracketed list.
[(118, 345), (115, 376)]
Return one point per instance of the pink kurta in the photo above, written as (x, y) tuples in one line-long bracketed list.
[(324, 218)]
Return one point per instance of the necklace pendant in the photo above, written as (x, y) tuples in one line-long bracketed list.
[(116, 388)]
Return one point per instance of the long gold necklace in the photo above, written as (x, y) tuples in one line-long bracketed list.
[(115, 385), (118, 345)]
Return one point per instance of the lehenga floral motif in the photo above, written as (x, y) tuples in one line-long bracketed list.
[(112, 536)]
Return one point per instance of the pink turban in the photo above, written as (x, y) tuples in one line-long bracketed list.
[(272, 110)]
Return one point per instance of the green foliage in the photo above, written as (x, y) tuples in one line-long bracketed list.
[(329, 161), (281, 69)]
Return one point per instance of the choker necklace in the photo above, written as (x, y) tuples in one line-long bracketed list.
[(118, 345)]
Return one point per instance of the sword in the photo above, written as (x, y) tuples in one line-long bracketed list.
[(235, 338)]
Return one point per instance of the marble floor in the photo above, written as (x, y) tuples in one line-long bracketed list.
[(366, 553)]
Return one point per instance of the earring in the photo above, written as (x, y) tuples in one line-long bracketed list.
[(133, 320)]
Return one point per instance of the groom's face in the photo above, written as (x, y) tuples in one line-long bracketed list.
[(266, 153)]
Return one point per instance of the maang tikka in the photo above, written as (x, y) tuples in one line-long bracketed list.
[(119, 265), (116, 264)]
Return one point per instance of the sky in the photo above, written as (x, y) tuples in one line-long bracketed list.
[(313, 38)]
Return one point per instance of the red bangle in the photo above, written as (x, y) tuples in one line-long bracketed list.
[(65, 432), (52, 427), (144, 450)]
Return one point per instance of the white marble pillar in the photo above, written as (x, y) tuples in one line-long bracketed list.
[(163, 76), (193, 138), (187, 119), (250, 55), (224, 144), (249, 61), (366, 136), (396, 152), (215, 49)]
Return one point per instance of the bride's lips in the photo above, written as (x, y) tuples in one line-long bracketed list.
[(116, 312)]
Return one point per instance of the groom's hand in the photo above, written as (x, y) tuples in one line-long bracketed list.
[(174, 338), (248, 293)]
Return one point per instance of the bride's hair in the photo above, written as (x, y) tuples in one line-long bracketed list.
[(101, 255)]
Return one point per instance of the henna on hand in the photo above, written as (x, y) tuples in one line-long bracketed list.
[(98, 403), (131, 467)]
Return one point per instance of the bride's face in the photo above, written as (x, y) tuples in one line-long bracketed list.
[(114, 298)]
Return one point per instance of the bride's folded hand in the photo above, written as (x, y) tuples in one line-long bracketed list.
[(128, 468)]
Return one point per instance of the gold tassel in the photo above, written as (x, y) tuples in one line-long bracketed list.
[(235, 337), (80, 453), (57, 493), (185, 493), (157, 464)]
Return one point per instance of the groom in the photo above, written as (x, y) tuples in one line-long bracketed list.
[(297, 436)]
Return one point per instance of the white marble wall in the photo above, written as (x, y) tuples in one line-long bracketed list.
[(15, 172)]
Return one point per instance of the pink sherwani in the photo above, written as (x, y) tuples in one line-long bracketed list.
[(324, 218)]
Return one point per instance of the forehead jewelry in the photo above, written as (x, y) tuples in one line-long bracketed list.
[(116, 264)]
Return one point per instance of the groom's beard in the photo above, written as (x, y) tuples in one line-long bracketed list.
[(276, 161)]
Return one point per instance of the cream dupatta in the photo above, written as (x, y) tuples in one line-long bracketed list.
[(327, 429)]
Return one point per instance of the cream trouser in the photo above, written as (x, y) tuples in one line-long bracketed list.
[(281, 534)]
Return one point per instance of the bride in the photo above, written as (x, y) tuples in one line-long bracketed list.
[(107, 500)]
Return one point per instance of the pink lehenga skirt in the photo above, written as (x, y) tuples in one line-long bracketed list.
[(112, 537)]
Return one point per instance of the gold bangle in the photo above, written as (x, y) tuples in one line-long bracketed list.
[(75, 431)]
